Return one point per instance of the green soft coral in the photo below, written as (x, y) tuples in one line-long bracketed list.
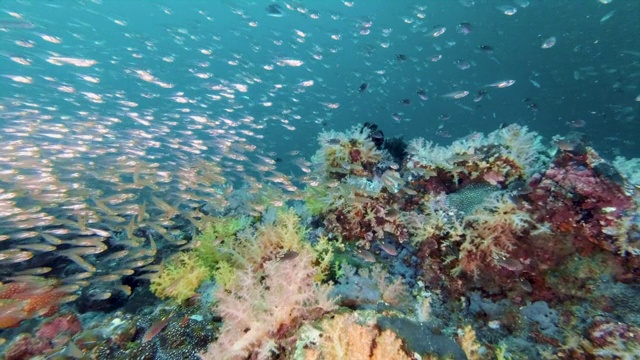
[(224, 274), (214, 243), (212, 255), (314, 198), (180, 277)]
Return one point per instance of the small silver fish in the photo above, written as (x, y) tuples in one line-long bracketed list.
[(607, 16)]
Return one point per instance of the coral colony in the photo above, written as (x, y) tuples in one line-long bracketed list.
[(494, 247)]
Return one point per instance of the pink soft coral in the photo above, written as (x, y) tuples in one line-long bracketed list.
[(264, 308)]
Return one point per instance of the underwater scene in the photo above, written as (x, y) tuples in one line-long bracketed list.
[(317, 180)]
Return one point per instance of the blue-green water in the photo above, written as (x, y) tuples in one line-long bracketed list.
[(591, 73), (127, 126)]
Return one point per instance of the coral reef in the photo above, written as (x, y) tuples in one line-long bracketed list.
[(502, 157), (492, 247), (62, 326), (365, 287), (351, 153), (24, 346), (500, 214)]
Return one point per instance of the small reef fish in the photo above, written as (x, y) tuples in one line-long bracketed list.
[(456, 94), (289, 255), (69, 351), (12, 256), (510, 264), (16, 25), (519, 188), (464, 28), (365, 255), (548, 43), (156, 328), (422, 94), (479, 96), (388, 248)]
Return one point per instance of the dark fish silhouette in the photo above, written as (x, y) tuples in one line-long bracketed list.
[(288, 255), (486, 49), (363, 87), (274, 10), (401, 57)]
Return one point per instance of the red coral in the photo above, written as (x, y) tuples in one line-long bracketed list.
[(605, 333), (367, 221), (355, 155), (65, 325), (575, 198), (28, 299), (26, 347)]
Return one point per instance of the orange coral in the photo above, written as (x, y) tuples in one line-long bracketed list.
[(344, 338)]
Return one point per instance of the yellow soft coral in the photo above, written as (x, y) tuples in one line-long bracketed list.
[(324, 250), (180, 277), (469, 343), (491, 234), (224, 274), (274, 240)]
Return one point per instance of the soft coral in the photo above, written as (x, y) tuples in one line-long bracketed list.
[(264, 308), (492, 235)]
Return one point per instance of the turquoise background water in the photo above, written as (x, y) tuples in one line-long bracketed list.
[(591, 74)]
